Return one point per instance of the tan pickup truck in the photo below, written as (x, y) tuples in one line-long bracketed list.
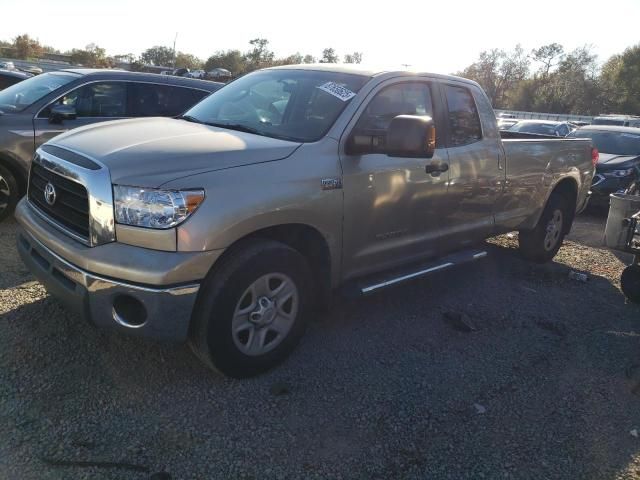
[(227, 226)]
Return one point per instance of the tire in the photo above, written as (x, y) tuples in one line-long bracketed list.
[(9, 193), (542, 243), (630, 283), (232, 299)]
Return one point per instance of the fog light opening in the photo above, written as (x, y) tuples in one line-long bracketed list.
[(129, 311)]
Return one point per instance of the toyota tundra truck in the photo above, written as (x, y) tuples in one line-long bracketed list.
[(228, 226)]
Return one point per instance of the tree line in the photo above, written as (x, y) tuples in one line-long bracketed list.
[(238, 62), (545, 79), (550, 79)]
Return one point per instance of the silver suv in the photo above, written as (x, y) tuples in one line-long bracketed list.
[(38, 109)]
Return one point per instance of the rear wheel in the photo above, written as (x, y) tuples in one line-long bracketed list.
[(630, 283), (9, 193), (543, 242), (252, 310)]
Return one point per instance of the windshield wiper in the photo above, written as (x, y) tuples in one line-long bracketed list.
[(189, 118), (239, 127), (235, 126)]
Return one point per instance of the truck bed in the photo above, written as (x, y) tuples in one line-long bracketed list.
[(536, 162)]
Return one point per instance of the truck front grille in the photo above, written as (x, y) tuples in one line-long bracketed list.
[(71, 206)]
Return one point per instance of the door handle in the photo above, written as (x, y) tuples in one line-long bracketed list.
[(436, 167)]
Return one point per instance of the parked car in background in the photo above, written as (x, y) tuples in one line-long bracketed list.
[(543, 127), (219, 74), (32, 69), (7, 66), (229, 224), (506, 123), (618, 120), (11, 77), (39, 108), (197, 74), (619, 163), (180, 72)]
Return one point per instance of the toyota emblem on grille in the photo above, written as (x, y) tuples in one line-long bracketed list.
[(50, 194)]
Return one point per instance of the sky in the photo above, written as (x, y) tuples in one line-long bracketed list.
[(439, 36)]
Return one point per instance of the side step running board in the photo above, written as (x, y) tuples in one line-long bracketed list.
[(377, 282)]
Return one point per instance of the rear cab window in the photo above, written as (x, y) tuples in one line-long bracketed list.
[(464, 122)]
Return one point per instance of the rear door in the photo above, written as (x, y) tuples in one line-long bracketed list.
[(476, 174), (94, 102), (155, 100)]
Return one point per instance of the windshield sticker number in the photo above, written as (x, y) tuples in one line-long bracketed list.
[(337, 91)]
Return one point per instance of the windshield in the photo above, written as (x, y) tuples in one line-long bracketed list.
[(298, 105), (19, 96), (614, 143), (538, 128)]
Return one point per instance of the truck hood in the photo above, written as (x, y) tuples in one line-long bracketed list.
[(609, 161), (149, 152)]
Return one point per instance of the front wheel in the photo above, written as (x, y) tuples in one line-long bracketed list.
[(252, 309), (543, 242)]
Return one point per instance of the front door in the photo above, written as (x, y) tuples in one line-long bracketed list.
[(93, 102), (391, 205)]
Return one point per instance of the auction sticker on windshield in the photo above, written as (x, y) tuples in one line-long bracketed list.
[(338, 91)]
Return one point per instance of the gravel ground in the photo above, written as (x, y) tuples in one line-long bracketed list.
[(502, 370)]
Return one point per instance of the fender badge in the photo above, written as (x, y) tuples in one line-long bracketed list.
[(331, 183)]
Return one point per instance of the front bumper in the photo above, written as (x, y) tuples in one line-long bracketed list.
[(160, 313), (136, 290)]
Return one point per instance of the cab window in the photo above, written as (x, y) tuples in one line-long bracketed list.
[(399, 99), (464, 122), (410, 98)]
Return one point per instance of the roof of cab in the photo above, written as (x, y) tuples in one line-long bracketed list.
[(141, 76), (368, 70)]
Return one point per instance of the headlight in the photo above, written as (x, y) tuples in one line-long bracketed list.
[(151, 208), (619, 173)]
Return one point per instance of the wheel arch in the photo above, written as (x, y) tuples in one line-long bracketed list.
[(13, 165), (568, 189), (306, 240)]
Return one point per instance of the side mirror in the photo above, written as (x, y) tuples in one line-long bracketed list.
[(411, 136), (62, 112), (406, 136)]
